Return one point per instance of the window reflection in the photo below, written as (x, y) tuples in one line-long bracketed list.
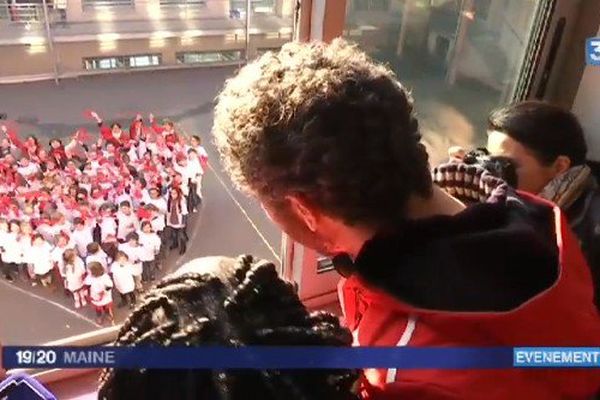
[(460, 58)]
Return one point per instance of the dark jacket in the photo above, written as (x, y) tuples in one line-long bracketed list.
[(584, 218)]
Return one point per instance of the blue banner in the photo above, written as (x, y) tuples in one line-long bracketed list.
[(256, 357), (298, 357)]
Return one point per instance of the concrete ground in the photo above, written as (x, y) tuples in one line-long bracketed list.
[(229, 223)]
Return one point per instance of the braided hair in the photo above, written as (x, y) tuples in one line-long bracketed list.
[(240, 302)]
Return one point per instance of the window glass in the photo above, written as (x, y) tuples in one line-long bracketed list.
[(208, 57), (107, 63), (258, 6), (183, 2), (140, 61), (460, 58), (106, 3)]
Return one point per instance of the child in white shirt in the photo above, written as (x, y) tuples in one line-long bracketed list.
[(195, 172), (24, 248), (196, 144), (27, 168), (75, 277), (150, 243), (41, 260), (12, 253), (154, 197), (127, 221), (107, 223), (63, 244), (96, 254), (134, 252), (100, 289), (7, 268), (82, 236), (122, 273)]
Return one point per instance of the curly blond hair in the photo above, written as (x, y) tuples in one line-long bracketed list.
[(326, 122)]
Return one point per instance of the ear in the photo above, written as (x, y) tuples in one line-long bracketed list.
[(303, 210), (562, 164)]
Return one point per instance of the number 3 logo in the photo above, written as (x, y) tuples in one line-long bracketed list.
[(592, 51)]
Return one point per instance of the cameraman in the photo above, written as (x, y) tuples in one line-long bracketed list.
[(547, 147)]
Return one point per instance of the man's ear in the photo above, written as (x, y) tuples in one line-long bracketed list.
[(303, 210), (562, 164)]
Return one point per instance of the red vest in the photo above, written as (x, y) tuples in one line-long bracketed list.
[(562, 315)]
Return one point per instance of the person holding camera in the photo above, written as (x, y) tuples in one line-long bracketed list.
[(547, 147)]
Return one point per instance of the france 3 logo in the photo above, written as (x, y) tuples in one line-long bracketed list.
[(592, 51)]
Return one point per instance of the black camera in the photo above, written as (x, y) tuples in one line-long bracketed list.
[(500, 167), (3, 116)]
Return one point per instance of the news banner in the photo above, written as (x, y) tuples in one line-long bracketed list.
[(298, 357)]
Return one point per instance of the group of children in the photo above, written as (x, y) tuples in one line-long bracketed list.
[(96, 216)]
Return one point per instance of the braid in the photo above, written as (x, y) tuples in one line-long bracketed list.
[(248, 305)]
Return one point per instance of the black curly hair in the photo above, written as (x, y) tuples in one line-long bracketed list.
[(325, 122), (242, 302)]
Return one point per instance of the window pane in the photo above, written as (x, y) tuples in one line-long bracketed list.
[(106, 3), (144, 61), (139, 61), (460, 58), (107, 63), (209, 57)]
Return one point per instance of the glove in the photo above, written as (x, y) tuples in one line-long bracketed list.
[(469, 183)]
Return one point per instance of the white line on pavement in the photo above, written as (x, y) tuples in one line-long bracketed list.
[(241, 208), (66, 309)]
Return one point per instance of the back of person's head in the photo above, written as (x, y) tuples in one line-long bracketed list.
[(93, 248), (121, 256), (225, 302), (327, 123), (132, 236), (96, 269), (546, 130), (69, 256)]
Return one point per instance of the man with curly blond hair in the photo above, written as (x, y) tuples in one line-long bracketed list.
[(328, 141)]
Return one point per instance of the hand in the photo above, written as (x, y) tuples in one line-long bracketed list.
[(456, 153), (95, 115), (151, 117), (4, 129)]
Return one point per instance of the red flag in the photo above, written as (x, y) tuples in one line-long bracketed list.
[(149, 133), (12, 132), (89, 114), (143, 214)]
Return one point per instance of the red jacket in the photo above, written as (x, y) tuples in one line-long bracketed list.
[(440, 272), (108, 136), (170, 138)]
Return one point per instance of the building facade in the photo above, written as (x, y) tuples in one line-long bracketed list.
[(65, 38)]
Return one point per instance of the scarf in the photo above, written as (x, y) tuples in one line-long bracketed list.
[(565, 188)]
